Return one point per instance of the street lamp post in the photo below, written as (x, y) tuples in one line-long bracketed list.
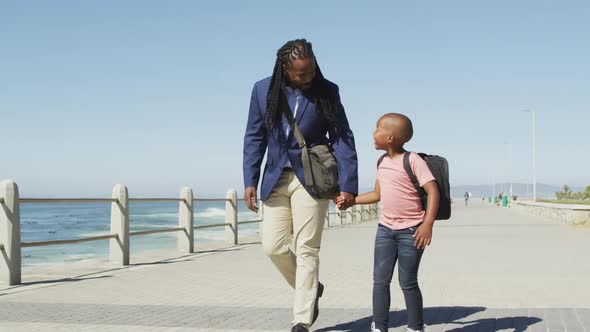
[(534, 156), (509, 172)]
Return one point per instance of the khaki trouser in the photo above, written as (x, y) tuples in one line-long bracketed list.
[(292, 227)]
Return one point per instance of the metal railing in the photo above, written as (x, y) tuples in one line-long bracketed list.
[(119, 235), (58, 242), (67, 200), (114, 200)]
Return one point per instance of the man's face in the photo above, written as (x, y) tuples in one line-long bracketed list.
[(301, 73)]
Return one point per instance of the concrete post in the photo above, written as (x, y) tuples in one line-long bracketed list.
[(375, 211), (338, 218), (355, 214), (10, 261), (364, 212), (186, 238), (231, 217), (361, 211), (119, 246)]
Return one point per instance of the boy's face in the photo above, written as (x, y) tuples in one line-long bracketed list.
[(382, 136)]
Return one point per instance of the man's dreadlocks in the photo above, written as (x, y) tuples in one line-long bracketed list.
[(322, 94)]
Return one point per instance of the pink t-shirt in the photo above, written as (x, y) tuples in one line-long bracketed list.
[(400, 203)]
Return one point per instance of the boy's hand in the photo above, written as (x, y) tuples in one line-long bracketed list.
[(346, 199), (423, 236), (342, 203)]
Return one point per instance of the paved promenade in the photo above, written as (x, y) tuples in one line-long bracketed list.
[(489, 269)]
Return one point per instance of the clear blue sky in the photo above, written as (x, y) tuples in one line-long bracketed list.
[(155, 94)]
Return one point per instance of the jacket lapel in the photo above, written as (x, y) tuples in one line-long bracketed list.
[(301, 109)]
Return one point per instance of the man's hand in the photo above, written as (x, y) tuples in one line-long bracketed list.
[(250, 198), (423, 236), (340, 203), (344, 200)]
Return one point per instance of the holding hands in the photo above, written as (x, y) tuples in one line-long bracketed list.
[(344, 200)]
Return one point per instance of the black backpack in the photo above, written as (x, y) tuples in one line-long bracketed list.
[(439, 167)]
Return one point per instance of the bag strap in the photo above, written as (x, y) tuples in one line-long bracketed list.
[(296, 132), (408, 168), (307, 169), (381, 159)]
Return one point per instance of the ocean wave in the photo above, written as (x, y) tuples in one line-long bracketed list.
[(212, 236), (210, 213), (248, 215), (219, 212), (220, 234), (155, 215), (140, 226)]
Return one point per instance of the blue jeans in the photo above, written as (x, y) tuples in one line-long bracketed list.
[(391, 246)]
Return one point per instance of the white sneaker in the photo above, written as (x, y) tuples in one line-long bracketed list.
[(411, 330), (373, 329)]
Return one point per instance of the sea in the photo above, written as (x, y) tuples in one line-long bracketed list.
[(65, 221)]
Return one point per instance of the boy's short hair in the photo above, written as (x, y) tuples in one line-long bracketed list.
[(403, 124)]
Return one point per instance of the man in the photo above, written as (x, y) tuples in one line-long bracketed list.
[(293, 214)]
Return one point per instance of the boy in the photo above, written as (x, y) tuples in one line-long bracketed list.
[(405, 229)]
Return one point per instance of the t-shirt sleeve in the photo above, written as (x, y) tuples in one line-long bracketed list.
[(421, 170)]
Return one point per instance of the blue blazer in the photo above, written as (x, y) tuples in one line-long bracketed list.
[(313, 127)]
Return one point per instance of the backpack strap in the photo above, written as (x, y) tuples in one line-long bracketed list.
[(381, 159), (408, 168)]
